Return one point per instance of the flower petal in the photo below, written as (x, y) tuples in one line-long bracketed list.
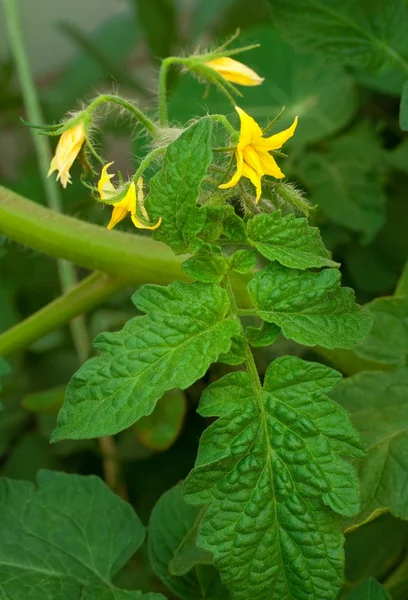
[(250, 131), (254, 177), (138, 223), (105, 187), (67, 150), (118, 214), (238, 173), (234, 71), (274, 142), (269, 165)]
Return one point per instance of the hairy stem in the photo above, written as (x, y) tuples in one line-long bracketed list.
[(66, 271), (164, 70), (136, 112)]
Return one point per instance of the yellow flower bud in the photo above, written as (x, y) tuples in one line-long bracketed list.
[(234, 71), (69, 145)]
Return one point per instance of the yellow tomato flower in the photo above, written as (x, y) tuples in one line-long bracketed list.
[(252, 152), (234, 71), (127, 205), (69, 145)]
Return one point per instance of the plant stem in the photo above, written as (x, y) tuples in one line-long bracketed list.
[(130, 257), (66, 271), (147, 160), (136, 112), (84, 296), (164, 69)]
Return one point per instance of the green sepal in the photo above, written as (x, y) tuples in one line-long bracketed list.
[(206, 267), (184, 331), (311, 308), (270, 469), (243, 261), (289, 240), (265, 335), (175, 189)]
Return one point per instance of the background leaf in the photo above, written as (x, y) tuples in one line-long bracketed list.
[(403, 117), (160, 429), (387, 341), (52, 542), (346, 188), (368, 32), (171, 522), (370, 590), (378, 406)]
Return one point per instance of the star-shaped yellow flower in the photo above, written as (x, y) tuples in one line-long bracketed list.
[(69, 145), (234, 71), (252, 152), (127, 205)]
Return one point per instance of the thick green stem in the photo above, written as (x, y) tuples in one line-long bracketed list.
[(136, 112), (129, 257), (67, 274), (88, 293)]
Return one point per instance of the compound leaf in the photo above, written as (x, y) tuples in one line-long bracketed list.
[(173, 522), (378, 406), (289, 240), (175, 189), (311, 308), (172, 346), (387, 341), (269, 468), (52, 544), (368, 32)]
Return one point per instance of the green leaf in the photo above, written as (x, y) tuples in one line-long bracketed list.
[(45, 401), (206, 267), (346, 188), (387, 341), (321, 94), (52, 544), (311, 308), (378, 406), (265, 335), (234, 228), (289, 240), (373, 547), (403, 116), (159, 430), (398, 158), (269, 468), (369, 590), (175, 189), (184, 331), (367, 32), (237, 353), (172, 523), (243, 261)]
